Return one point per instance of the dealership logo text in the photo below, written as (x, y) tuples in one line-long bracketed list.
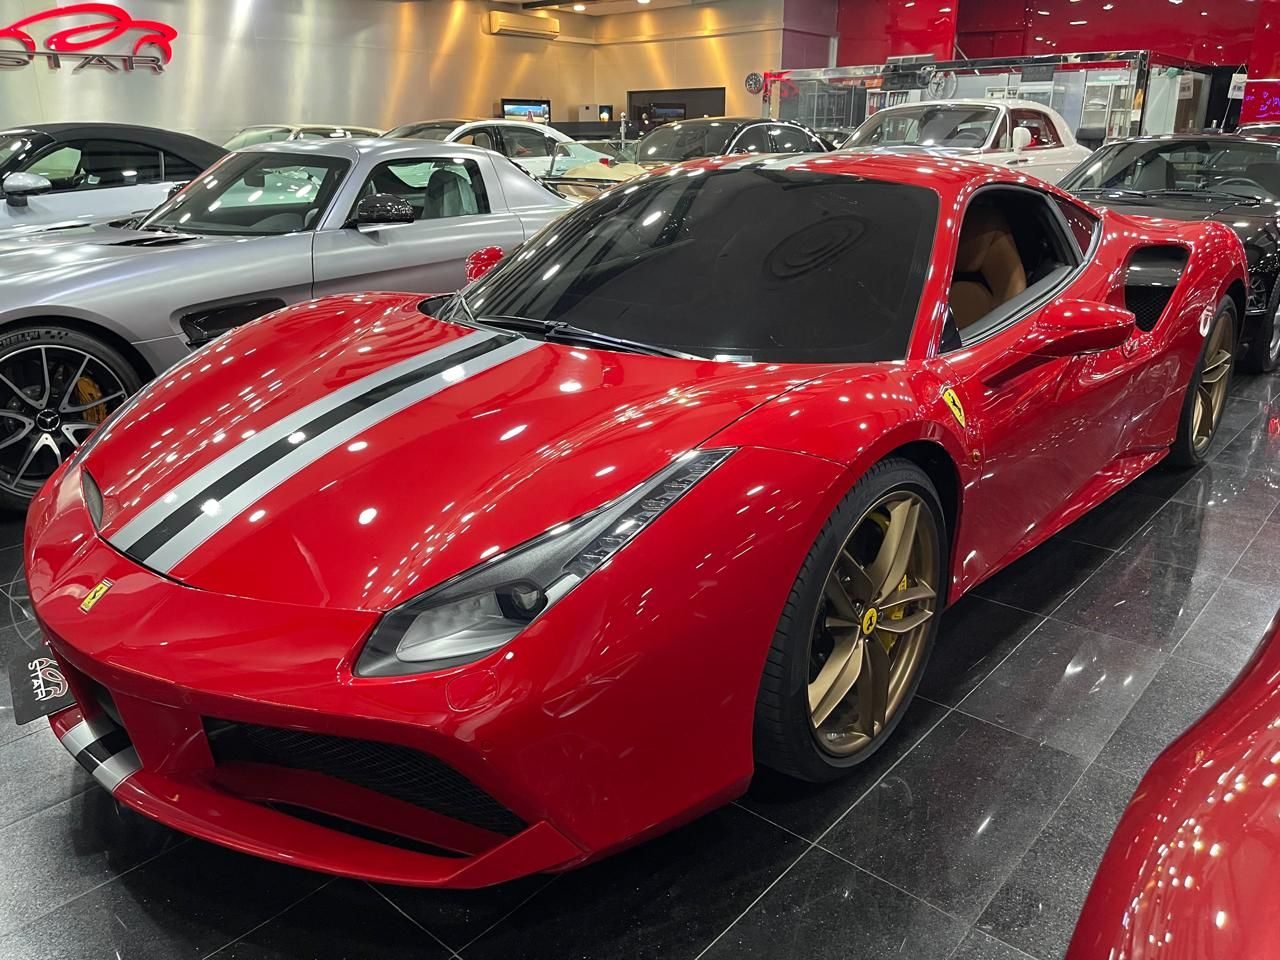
[(114, 63)]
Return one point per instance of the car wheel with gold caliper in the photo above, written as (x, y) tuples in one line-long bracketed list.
[(853, 641)]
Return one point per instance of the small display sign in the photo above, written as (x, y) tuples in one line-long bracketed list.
[(37, 685), (1238, 81)]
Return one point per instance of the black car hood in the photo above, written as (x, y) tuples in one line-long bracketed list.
[(1251, 221)]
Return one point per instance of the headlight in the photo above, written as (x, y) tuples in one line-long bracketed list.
[(92, 497), (484, 608)]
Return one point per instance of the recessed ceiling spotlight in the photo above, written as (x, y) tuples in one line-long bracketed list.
[(642, 1), (579, 7)]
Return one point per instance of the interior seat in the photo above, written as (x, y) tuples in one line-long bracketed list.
[(449, 195), (1266, 175), (1156, 174), (104, 167), (989, 270)]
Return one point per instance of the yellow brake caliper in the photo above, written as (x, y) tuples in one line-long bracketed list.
[(89, 392)]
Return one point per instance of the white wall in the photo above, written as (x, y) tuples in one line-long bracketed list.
[(384, 62)]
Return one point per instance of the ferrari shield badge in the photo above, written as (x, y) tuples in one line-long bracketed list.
[(954, 405), (94, 595)]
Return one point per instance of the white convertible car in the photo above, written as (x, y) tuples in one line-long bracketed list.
[(1022, 134), (532, 145)]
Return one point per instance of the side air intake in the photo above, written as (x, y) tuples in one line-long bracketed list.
[(1150, 279)]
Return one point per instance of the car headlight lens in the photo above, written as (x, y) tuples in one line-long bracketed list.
[(92, 497), (485, 608)]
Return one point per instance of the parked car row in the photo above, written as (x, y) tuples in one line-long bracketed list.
[(321, 211)]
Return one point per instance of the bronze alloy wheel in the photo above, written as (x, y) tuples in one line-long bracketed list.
[(870, 634), (1211, 390)]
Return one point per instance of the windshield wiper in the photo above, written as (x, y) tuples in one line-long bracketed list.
[(1115, 191), (561, 332)]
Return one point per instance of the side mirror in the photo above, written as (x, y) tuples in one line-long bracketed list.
[(1072, 327), (1021, 139), (482, 261), (19, 186), (381, 210)]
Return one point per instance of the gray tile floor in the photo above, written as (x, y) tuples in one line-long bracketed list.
[(972, 836)]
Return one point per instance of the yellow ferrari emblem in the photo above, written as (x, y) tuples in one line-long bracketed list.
[(94, 595), (869, 620), (953, 403)]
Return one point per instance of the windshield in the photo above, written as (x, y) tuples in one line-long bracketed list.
[(684, 141), (1217, 166), (15, 148), (421, 131), (1260, 130), (927, 126), (750, 263), (251, 135), (253, 194)]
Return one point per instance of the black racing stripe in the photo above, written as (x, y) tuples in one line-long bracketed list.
[(103, 749), (169, 527)]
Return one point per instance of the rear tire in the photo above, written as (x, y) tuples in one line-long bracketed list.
[(1208, 389), (56, 386), (1263, 354), (805, 726)]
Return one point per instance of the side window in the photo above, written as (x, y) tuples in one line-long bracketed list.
[(176, 168), (789, 139), (1082, 223), (520, 144), (1043, 134), (1001, 141), (436, 188), (1012, 250), (94, 164), (482, 137), (59, 167), (752, 140)]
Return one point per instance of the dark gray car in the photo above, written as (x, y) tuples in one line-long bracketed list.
[(90, 313)]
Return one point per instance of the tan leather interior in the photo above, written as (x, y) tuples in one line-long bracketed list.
[(988, 265)]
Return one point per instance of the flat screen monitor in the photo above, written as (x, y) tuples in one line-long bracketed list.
[(539, 111)]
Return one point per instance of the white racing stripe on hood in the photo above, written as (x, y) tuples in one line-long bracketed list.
[(160, 509), (223, 511)]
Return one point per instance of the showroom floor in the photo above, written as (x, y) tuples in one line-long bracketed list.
[(973, 834)]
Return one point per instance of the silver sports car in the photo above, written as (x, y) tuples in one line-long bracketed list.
[(90, 313)]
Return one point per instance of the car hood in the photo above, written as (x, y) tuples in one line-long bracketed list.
[(252, 469), (67, 250), (1249, 220)]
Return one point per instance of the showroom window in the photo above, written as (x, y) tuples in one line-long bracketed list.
[(752, 140), (520, 144), (1043, 134), (435, 188)]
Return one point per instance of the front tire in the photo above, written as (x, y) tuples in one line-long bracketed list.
[(1263, 354), (56, 386), (1207, 392), (856, 632)]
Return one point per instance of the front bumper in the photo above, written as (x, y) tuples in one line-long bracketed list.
[(624, 711)]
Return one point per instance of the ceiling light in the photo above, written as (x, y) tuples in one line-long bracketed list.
[(579, 7), (642, 1)]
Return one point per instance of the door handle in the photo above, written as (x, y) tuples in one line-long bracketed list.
[(1015, 162)]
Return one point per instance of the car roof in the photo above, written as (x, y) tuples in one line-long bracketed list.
[(441, 122), (183, 144), (973, 102), (1195, 138), (377, 148), (946, 175)]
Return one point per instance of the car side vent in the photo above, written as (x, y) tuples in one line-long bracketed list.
[(1150, 279)]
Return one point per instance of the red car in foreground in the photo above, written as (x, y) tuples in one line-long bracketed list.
[(1191, 871), (446, 592)]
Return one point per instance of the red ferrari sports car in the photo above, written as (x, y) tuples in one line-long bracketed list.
[(1191, 871), (445, 592)]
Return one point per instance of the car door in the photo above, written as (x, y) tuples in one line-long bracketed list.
[(459, 208), (1042, 429), (92, 178), (1047, 157)]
